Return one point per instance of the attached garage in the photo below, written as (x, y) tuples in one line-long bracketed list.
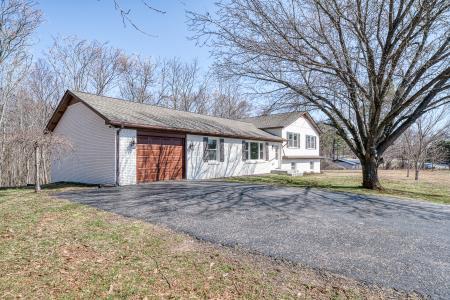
[(159, 157), (122, 142)]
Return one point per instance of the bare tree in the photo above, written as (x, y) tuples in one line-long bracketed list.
[(42, 84), (185, 86), (106, 67), (138, 80), (18, 20), (125, 14), (227, 100), (71, 59), (331, 144), (421, 141), (83, 65), (39, 147), (371, 67)]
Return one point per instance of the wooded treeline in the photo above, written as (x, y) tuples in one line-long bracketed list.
[(30, 88)]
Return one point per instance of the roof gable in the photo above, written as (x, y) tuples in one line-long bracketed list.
[(281, 120), (123, 113)]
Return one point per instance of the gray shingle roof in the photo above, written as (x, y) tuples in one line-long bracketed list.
[(275, 120), (131, 114), (280, 120)]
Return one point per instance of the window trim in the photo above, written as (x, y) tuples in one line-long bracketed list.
[(294, 134), (260, 151), (216, 150), (308, 139)]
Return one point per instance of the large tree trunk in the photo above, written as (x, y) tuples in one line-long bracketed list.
[(370, 174)]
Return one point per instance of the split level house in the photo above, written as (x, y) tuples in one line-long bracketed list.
[(121, 142)]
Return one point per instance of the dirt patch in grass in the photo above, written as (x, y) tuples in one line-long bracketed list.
[(51, 248)]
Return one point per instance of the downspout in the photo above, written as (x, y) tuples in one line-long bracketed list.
[(117, 155)]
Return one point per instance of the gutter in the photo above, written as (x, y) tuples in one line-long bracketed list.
[(180, 130)]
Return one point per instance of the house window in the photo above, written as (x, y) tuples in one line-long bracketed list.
[(293, 140), (212, 149), (293, 166), (244, 150), (253, 150), (261, 151), (311, 165), (311, 142)]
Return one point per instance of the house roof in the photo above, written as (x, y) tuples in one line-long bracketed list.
[(350, 161), (123, 113), (280, 120)]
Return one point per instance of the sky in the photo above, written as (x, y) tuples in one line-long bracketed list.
[(98, 19)]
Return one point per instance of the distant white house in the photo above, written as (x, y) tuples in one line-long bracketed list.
[(121, 142)]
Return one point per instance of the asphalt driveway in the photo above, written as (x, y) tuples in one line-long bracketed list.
[(395, 243)]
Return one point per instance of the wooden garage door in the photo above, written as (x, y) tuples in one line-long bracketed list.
[(159, 158)]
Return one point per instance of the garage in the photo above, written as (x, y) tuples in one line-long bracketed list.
[(159, 157)]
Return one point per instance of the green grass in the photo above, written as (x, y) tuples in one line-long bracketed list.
[(432, 186), (52, 248)]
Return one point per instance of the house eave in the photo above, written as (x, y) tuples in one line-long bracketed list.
[(181, 130)]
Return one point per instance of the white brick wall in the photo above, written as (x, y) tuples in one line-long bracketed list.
[(233, 164), (127, 157), (93, 157)]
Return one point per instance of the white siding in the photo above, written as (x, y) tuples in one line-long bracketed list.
[(302, 165), (233, 165), (127, 157), (303, 127), (92, 159)]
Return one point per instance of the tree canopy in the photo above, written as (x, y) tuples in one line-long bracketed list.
[(371, 67)]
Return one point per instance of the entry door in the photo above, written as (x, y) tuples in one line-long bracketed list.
[(277, 156), (159, 158)]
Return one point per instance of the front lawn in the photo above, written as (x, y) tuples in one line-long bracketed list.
[(432, 186), (52, 248)]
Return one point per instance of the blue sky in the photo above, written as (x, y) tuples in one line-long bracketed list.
[(97, 19)]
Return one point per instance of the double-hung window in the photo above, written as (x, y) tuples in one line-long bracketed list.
[(293, 140), (212, 149), (311, 142), (254, 150)]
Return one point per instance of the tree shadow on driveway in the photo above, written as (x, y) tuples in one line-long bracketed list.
[(403, 244), (211, 198)]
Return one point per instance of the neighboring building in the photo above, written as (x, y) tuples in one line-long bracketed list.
[(348, 163), (120, 142), (438, 166)]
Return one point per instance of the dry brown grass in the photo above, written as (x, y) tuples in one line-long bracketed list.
[(432, 185), (50, 248)]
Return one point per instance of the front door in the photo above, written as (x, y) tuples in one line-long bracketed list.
[(277, 162)]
